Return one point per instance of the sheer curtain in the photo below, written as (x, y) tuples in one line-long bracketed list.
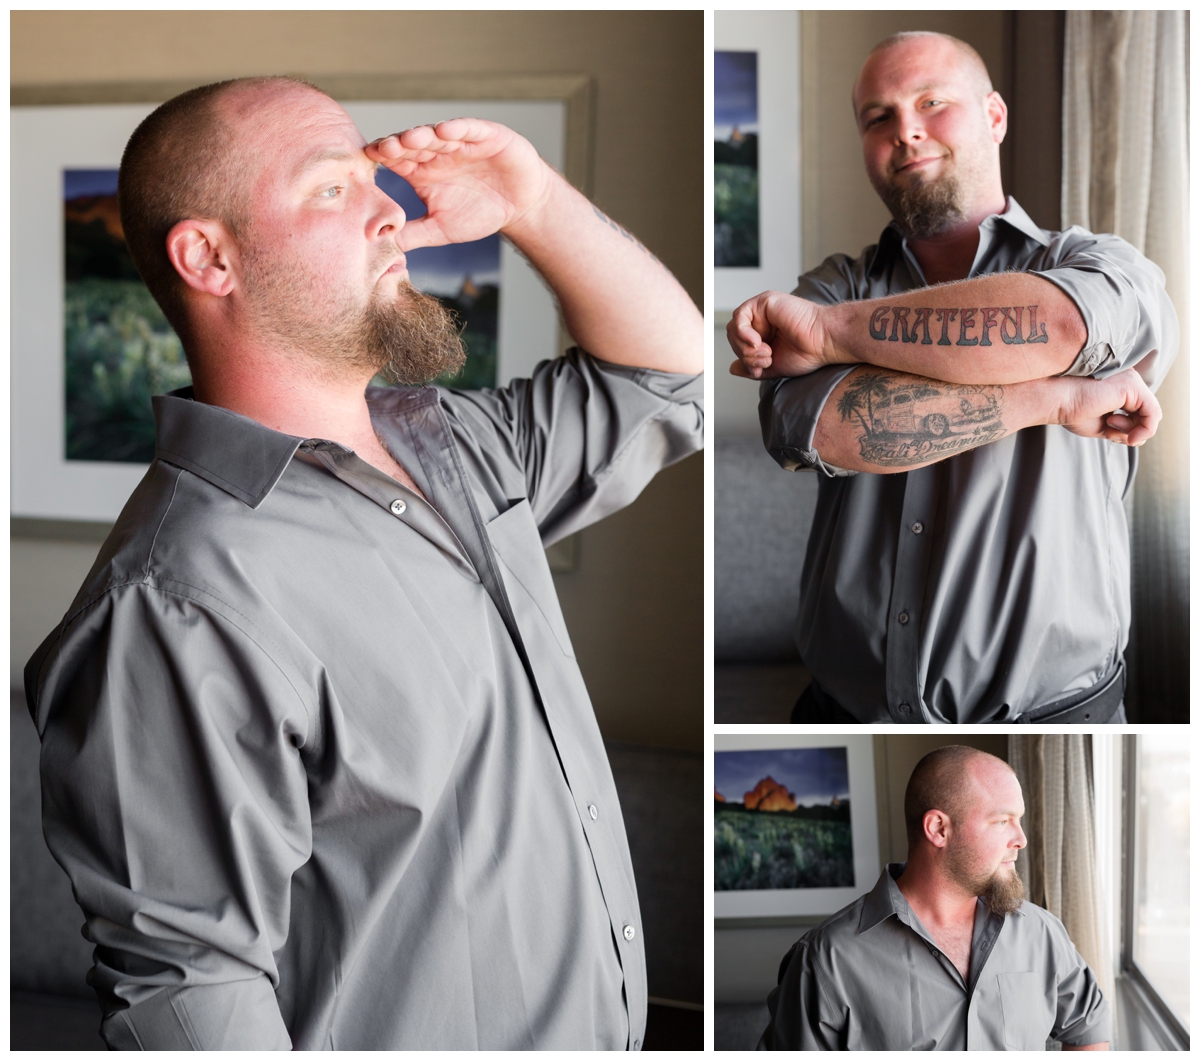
[(1059, 864), (1125, 170)]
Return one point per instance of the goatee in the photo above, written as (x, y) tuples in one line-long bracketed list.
[(1003, 894), (412, 340), (923, 209)]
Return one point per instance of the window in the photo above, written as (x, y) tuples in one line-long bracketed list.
[(1156, 936)]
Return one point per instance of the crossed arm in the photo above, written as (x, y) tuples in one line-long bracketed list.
[(618, 301), (940, 370)]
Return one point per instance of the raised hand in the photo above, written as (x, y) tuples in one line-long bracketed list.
[(476, 178), (777, 335), (1088, 404)]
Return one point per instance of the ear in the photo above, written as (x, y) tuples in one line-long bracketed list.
[(204, 254), (936, 826), (997, 115)]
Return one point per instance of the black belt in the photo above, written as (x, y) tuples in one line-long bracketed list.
[(1095, 705)]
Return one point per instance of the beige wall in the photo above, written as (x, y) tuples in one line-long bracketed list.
[(634, 604)]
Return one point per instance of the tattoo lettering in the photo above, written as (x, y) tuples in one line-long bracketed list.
[(617, 228), (1004, 321), (908, 420)]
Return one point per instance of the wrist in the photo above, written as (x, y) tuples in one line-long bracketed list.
[(832, 328), (538, 215)]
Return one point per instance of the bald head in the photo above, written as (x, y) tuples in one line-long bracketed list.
[(189, 160), (939, 51), (951, 779)]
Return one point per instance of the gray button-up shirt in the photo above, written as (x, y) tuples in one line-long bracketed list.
[(1010, 562), (322, 767), (872, 978)]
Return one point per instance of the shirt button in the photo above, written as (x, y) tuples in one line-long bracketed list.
[(905, 709), (637, 1044), (629, 932), (918, 527), (398, 507), (593, 812), (903, 617)]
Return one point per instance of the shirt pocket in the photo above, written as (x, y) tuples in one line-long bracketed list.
[(1027, 1009), (515, 536)]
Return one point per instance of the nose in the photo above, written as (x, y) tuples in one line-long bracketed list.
[(910, 129), (388, 216), (1020, 842)]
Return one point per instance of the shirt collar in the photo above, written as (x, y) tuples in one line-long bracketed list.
[(886, 899), (235, 453), (891, 241)]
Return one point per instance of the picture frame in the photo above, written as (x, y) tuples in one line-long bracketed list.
[(85, 126), (864, 827), (775, 36)]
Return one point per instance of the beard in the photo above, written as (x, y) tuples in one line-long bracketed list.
[(410, 340), (922, 208), (1001, 892)]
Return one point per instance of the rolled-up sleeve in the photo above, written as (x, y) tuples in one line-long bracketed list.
[(585, 435), (788, 409), (803, 1014), (175, 798), (1122, 298)]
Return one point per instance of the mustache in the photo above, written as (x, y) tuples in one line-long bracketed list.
[(912, 156)]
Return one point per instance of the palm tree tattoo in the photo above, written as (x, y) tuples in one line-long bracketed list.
[(908, 420)]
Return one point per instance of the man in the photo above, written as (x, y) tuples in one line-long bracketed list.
[(316, 753), (943, 954), (954, 386)]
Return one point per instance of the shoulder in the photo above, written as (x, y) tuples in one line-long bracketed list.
[(839, 278), (832, 936), (1044, 932)]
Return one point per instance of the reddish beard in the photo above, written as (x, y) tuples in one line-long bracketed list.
[(1001, 891)]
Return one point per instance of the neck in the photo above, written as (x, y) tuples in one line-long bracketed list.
[(294, 396), (936, 899), (949, 255)]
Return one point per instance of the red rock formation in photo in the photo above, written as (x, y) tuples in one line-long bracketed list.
[(769, 794)]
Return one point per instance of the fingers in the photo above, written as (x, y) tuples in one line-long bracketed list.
[(745, 334), (425, 142)]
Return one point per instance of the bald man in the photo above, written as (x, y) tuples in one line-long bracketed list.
[(972, 391), (943, 953), (316, 752)]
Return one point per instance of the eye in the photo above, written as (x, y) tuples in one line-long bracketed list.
[(330, 193)]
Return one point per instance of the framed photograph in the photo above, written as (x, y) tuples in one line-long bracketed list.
[(90, 346), (756, 154), (795, 829)]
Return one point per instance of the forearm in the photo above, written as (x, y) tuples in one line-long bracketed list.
[(1090, 1046), (878, 420), (618, 301), (999, 329)]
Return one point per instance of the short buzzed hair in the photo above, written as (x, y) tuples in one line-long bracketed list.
[(181, 162), (938, 783), (974, 59)]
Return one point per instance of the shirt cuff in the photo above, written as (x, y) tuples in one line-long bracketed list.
[(788, 411)]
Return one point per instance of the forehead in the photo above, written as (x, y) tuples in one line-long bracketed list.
[(285, 128), (994, 787), (912, 67)]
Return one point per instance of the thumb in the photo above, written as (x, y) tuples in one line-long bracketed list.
[(421, 232)]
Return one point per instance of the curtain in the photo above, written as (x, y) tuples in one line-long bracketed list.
[(1125, 170), (1059, 864)]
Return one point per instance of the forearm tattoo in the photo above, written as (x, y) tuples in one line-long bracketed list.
[(628, 235), (902, 420), (970, 326)]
